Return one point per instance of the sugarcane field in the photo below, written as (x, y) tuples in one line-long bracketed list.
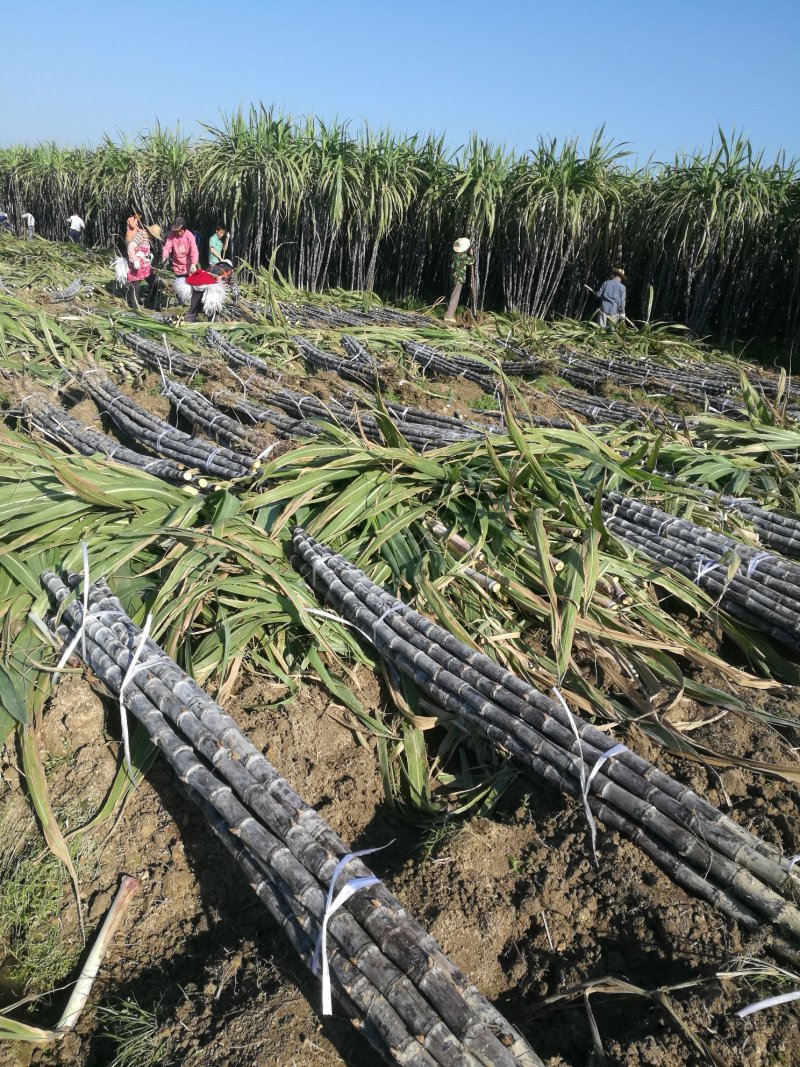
[(400, 650)]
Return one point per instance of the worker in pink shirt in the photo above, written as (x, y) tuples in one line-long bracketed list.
[(180, 248)]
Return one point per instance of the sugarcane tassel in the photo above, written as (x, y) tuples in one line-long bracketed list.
[(214, 298), (183, 291), (120, 265)]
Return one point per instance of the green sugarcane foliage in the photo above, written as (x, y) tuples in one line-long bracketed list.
[(708, 238)]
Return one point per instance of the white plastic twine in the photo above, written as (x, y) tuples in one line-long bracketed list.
[(586, 783), (759, 557), (770, 1002), (80, 634), (615, 750), (581, 772), (332, 905), (704, 567), (133, 669), (398, 604)]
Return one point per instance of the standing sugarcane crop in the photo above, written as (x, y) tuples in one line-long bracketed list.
[(697, 845), (411, 1002), (461, 263)]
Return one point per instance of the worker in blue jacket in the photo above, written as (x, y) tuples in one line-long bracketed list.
[(612, 294)]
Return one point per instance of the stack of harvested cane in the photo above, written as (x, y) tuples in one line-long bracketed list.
[(700, 848), (359, 367), (159, 437), (311, 315), (447, 366), (52, 421), (753, 585), (159, 358), (236, 357), (602, 410), (412, 1003), (201, 414), (711, 386), (781, 532), (63, 296), (289, 412)]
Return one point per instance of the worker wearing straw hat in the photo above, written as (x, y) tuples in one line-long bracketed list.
[(462, 261), (612, 294), (138, 267)]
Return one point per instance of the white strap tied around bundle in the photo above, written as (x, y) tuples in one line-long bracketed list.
[(706, 566), (320, 613), (80, 634), (332, 905), (134, 667), (586, 783), (759, 557)]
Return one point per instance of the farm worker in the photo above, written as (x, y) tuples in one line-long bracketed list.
[(30, 223), (209, 290), (140, 264), (132, 226), (215, 246), (462, 260), (612, 295), (76, 228), (181, 249)]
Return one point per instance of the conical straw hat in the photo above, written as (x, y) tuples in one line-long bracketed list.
[(462, 244)]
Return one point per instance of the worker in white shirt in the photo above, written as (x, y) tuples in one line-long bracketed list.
[(30, 222), (76, 228)]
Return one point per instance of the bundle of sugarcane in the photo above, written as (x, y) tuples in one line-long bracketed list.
[(52, 421), (329, 315), (781, 532), (251, 411), (359, 353), (201, 413), (237, 357), (381, 316), (406, 413), (701, 849), (602, 410), (304, 314), (420, 432), (698, 384), (448, 366), (162, 438), (63, 296), (697, 381), (531, 420), (159, 358), (353, 369), (755, 586), (389, 975)]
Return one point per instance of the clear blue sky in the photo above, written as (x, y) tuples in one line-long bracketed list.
[(660, 75)]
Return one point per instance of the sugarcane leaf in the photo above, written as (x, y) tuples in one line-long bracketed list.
[(40, 798), (12, 706)]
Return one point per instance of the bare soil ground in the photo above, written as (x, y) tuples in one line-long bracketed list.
[(514, 899)]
